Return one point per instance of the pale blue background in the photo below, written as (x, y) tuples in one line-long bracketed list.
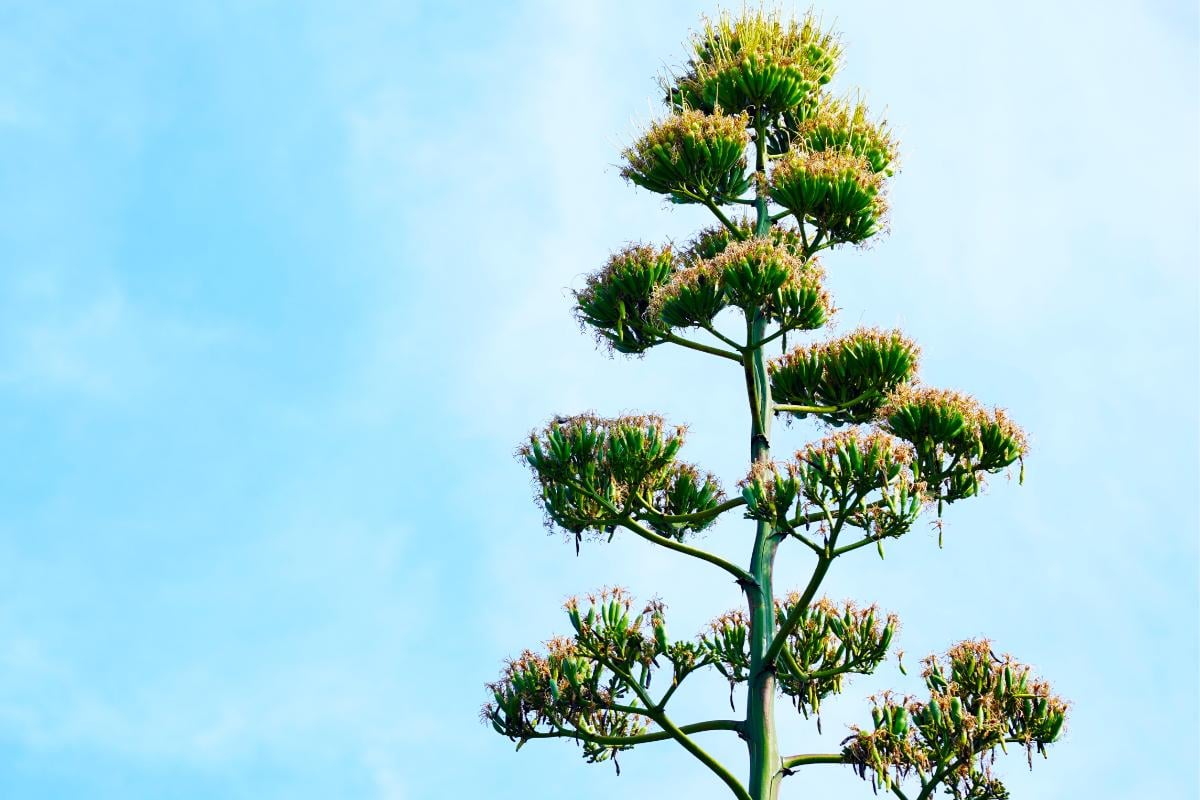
[(284, 283)]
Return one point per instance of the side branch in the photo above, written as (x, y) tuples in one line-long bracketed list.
[(676, 733), (719, 214), (626, 521), (622, 741), (792, 762), (737, 572), (703, 348), (793, 618), (780, 407), (697, 516)]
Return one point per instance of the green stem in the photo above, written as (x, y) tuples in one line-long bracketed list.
[(772, 337), (737, 572), (813, 758), (716, 210), (793, 616), (627, 522), (860, 543), (703, 348), (664, 722), (795, 409), (657, 736), (760, 690), (737, 347), (937, 777), (802, 539), (696, 516)]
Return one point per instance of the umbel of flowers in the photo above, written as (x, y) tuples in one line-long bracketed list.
[(753, 133)]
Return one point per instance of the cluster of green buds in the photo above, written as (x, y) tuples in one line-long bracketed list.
[(770, 492), (828, 643), (863, 478), (692, 157), (836, 190), (616, 299), (726, 646), (844, 380), (756, 63), (753, 275), (978, 702), (710, 242), (955, 440), (839, 125), (560, 694), (593, 687), (594, 473)]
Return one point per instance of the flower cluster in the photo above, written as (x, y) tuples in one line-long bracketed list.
[(593, 473), (955, 439), (756, 62), (844, 380), (691, 156), (978, 702)]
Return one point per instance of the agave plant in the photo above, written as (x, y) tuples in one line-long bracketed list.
[(750, 123)]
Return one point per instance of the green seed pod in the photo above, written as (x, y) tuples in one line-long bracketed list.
[(956, 710)]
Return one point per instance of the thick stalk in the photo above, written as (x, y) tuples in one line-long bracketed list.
[(765, 764), (760, 699)]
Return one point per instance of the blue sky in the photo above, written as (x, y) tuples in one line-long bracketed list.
[(285, 283)]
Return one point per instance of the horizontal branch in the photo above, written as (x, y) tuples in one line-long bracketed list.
[(696, 516), (813, 758), (856, 545), (795, 409), (656, 736), (742, 575), (626, 521), (703, 348)]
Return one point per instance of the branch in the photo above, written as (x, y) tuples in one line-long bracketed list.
[(813, 758), (860, 543), (675, 732), (787, 527), (737, 232), (793, 617), (825, 409), (937, 777), (621, 741), (802, 539), (816, 516), (626, 521), (737, 347), (679, 547), (767, 340), (696, 516), (703, 348), (823, 561)]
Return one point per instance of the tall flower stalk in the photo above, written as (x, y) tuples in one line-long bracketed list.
[(750, 123)]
